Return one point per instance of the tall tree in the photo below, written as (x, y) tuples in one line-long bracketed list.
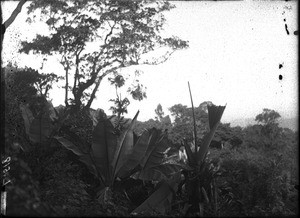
[(267, 117), (270, 130), (122, 34)]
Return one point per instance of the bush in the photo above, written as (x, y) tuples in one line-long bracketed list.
[(256, 184)]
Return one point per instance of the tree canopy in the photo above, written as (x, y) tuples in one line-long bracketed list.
[(183, 122), (268, 117), (96, 38)]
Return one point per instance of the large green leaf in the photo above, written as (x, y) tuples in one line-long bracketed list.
[(27, 117), (103, 148), (163, 171), (83, 157), (159, 201), (51, 111), (40, 128), (155, 149), (124, 147), (214, 114), (155, 165), (110, 150), (137, 154)]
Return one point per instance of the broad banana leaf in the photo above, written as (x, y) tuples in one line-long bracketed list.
[(159, 201), (94, 115), (137, 154), (155, 165), (103, 148), (27, 117), (163, 171), (109, 151), (214, 116), (83, 157), (51, 110), (105, 196), (124, 147), (40, 128), (156, 148)]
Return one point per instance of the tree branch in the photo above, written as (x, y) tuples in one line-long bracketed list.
[(14, 14)]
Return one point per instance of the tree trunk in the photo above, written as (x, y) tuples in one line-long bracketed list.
[(93, 95), (67, 85)]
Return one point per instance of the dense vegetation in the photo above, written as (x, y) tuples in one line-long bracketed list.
[(248, 171), (73, 160)]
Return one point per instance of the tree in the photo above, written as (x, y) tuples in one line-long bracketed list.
[(123, 33), (270, 126), (161, 122), (183, 122), (268, 117), (120, 104), (266, 134), (159, 112)]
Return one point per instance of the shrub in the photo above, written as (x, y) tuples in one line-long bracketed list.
[(258, 185)]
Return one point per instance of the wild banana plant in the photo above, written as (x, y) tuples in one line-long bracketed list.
[(200, 180), (200, 173), (113, 154), (45, 124)]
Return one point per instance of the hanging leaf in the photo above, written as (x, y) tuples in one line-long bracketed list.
[(83, 157), (51, 111), (103, 148), (163, 171), (124, 147), (155, 165), (137, 155), (159, 201), (40, 128), (214, 113)]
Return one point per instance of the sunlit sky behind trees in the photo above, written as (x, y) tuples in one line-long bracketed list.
[(235, 49)]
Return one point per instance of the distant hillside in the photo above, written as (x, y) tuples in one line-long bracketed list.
[(291, 123)]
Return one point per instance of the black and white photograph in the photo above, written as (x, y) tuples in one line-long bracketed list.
[(156, 108)]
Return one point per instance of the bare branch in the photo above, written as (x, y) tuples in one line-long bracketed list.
[(14, 14), (110, 32), (163, 59)]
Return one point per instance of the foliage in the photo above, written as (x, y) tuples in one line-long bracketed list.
[(23, 193), (149, 158), (159, 112), (141, 173), (183, 122), (267, 117), (25, 99), (159, 202), (252, 184), (113, 153), (258, 178), (125, 34), (199, 179), (163, 124)]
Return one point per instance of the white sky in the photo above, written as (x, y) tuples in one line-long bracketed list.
[(234, 56)]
